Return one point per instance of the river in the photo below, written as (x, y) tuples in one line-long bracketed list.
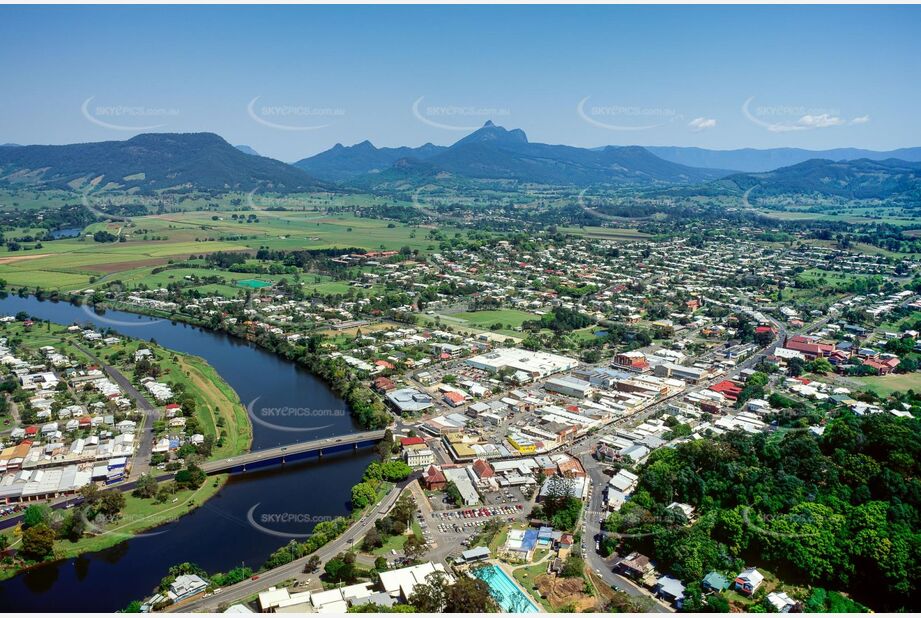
[(293, 405)]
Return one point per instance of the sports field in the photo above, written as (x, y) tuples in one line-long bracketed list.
[(485, 319), (885, 385)]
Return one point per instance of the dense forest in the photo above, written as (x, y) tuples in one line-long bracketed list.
[(841, 510)]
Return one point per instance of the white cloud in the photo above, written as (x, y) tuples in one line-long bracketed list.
[(819, 121), (860, 120), (702, 124)]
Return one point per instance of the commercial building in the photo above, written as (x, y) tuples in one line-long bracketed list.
[(572, 387), (409, 400), (525, 364)]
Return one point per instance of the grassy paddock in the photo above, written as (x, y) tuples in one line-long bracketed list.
[(885, 385)]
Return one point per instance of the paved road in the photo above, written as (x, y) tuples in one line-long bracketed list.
[(603, 567), (141, 460), (220, 465), (250, 587)]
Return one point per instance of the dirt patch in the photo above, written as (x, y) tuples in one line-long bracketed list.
[(22, 258), (564, 592)]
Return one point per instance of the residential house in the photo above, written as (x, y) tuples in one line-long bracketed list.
[(748, 581)]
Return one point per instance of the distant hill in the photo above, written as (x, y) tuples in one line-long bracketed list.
[(860, 179), (9, 145), (495, 153), (150, 162), (341, 163), (246, 149), (754, 160)]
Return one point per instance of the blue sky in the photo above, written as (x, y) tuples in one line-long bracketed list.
[(292, 81)]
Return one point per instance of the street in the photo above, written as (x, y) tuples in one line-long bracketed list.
[(295, 569)]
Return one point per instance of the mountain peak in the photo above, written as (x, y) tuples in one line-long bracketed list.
[(490, 132), (247, 149)]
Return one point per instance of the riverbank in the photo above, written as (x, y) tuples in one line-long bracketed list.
[(221, 534), (217, 407), (218, 412), (139, 516), (366, 406)]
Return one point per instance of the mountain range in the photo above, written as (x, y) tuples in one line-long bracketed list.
[(150, 162), (755, 160), (860, 179), (205, 161), (495, 153)]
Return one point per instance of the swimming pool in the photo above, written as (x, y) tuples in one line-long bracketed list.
[(506, 592)]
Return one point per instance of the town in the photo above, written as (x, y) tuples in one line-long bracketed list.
[(460, 309), (523, 403)]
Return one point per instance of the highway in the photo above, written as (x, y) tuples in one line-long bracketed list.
[(251, 587)]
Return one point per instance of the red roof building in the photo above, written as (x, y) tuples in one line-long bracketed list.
[(728, 389), (482, 469), (883, 367), (809, 346), (383, 384), (453, 398), (434, 479), (404, 442), (634, 361)]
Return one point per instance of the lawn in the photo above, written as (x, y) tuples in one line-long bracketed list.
[(607, 233), (214, 400), (885, 385), (397, 541), (75, 264), (155, 240), (525, 577), (486, 319), (290, 230)]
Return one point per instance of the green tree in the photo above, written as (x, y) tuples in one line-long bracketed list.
[(363, 494), (415, 547), (470, 595), (146, 486), (35, 515), (821, 365), (111, 503), (38, 541)]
